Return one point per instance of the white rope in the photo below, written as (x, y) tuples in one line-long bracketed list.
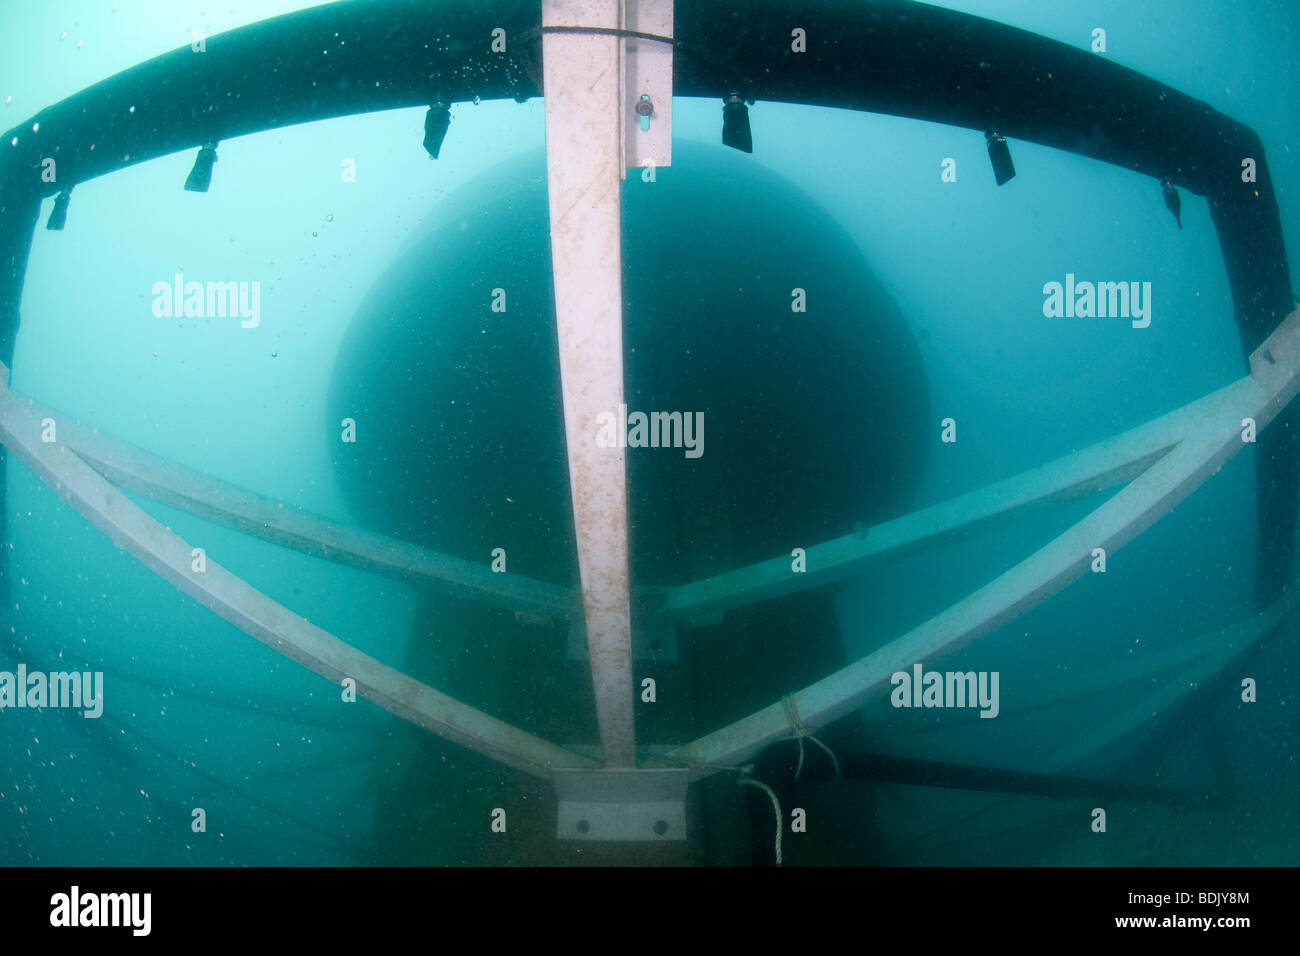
[(745, 780), (776, 806), (800, 731)]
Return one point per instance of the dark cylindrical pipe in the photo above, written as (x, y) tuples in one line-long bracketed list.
[(436, 122), (200, 177), (59, 214), (1000, 154), (735, 124), (1172, 201)]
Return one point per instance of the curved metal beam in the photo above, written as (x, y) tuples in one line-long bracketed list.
[(1210, 435), (135, 470), (169, 556)]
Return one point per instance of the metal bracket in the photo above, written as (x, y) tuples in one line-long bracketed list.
[(622, 805), (648, 83)]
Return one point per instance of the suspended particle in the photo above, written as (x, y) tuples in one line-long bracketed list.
[(330, 217)]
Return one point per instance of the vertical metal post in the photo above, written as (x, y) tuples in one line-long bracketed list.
[(583, 77)]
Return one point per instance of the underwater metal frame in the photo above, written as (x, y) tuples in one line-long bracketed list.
[(1163, 461)]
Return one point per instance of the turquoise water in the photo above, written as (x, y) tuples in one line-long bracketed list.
[(926, 303)]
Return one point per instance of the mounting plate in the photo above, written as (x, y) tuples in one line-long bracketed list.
[(648, 72), (622, 805)]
